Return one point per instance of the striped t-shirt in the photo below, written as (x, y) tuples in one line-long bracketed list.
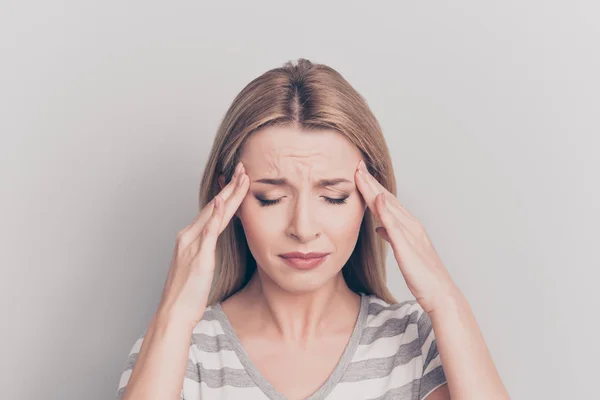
[(391, 354)]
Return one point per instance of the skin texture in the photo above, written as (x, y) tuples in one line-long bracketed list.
[(303, 219), (286, 318)]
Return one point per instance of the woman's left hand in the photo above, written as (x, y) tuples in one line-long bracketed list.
[(423, 270)]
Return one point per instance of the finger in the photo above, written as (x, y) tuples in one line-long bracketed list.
[(394, 230), (204, 246), (368, 191), (373, 187), (231, 186), (210, 231), (364, 188), (193, 229), (232, 204), (383, 233)]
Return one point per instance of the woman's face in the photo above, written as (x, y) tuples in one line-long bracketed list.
[(300, 215)]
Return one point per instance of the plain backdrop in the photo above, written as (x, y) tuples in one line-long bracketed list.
[(108, 110)]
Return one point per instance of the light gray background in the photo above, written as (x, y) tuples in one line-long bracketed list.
[(109, 108)]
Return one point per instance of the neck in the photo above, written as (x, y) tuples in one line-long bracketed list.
[(301, 316)]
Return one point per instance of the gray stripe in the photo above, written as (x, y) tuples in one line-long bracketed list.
[(191, 371), (431, 354), (376, 308), (425, 327), (212, 344), (391, 327), (417, 388), (345, 371), (381, 367), (434, 378), (131, 359), (217, 378), (210, 315)]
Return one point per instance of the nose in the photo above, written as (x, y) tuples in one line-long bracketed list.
[(303, 226)]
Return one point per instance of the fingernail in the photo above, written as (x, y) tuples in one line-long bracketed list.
[(241, 180)]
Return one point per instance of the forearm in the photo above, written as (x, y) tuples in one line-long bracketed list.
[(465, 357), (160, 368)]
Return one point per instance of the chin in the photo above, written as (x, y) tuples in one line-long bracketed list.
[(301, 282), (301, 286)]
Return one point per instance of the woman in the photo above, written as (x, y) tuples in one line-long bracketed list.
[(277, 289)]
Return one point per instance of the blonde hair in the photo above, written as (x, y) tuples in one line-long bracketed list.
[(309, 97)]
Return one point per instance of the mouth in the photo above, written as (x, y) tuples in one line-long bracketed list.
[(304, 261)]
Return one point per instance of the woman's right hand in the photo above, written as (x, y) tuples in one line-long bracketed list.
[(189, 280)]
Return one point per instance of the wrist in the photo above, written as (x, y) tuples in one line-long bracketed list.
[(449, 299), (166, 319)]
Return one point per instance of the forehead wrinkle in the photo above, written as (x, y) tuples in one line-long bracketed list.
[(324, 183), (303, 165), (277, 159)]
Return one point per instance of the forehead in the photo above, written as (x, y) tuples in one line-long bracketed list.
[(275, 148)]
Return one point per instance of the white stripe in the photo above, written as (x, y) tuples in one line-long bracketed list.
[(195, 391), (219, 360), (136, 346), (125, 378), (372, 388), (386, 346), (210, 328)]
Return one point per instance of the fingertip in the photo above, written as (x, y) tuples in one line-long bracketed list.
[(242, 181)]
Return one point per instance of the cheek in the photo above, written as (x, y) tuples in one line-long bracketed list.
[(259, 230), (346, 222)]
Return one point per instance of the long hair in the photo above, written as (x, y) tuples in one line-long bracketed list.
[(310, 97)]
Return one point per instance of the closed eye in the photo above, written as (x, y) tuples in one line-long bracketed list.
[(266, 203)]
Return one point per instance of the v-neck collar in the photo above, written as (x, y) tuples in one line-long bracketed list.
[(333, 378)]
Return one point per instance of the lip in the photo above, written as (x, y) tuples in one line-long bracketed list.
[(297, 254), (304, 261)]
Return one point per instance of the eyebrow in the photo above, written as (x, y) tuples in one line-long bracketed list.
[(321, 183)]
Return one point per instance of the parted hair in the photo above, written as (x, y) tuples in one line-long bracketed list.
[(310, 97)]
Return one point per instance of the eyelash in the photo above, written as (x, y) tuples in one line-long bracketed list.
[(266, 203)]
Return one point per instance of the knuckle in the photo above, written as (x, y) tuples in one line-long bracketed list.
[(396, 224), (182, 238)]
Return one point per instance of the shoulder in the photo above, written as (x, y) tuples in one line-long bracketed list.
[(381, 312), (397, 346), (209, 336), (405, 324)]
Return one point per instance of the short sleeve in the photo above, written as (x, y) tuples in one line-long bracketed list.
[(128, 368), (433, 375)]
